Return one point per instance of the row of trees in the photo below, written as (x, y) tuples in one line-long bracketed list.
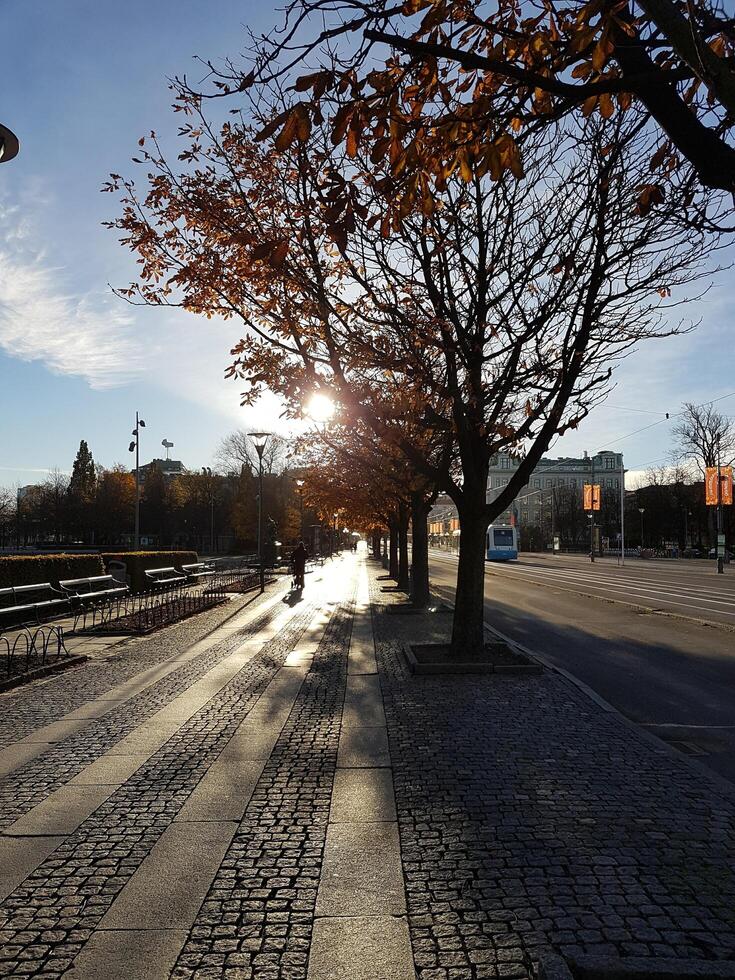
[(457, 290), (205, 511)]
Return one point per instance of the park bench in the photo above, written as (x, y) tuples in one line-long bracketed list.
[(86, 590), (29, 603), (197, 571), (164, 578)]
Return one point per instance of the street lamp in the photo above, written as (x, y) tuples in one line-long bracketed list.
[(9, 145), (300, 492), (641, 511), (135, 447), (206, 471), (259, 441), (720, 557)]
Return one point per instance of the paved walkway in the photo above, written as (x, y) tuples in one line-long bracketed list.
[(269, 794)]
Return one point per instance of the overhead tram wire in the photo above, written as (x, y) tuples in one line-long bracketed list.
[(668, 417)]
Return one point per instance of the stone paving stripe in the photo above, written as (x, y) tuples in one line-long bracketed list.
[(55, 732), (362, 655), (361, 948), (94, 710), (14, 756), (61, 812), (295, 659), (361, 746), (224, 792), (128, 954), (353, 882), (145, 739), (19, 856), (168, 888), (109, 769), (362, 796), (363, 701)]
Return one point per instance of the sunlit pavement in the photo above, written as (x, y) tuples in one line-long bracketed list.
[(272, 795)]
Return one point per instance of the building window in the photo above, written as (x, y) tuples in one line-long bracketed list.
[(504, 463), (609, 462), (537, 483), (548, 483)]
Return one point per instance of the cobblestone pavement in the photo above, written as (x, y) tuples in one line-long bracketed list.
[(24, 709), (528, 818), (46, 920), (531, 818), (30, 784)]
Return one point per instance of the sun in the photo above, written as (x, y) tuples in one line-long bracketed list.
[(320, 408)]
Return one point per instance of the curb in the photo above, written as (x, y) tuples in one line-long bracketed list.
[(39, 672)]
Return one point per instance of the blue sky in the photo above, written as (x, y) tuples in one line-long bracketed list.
[(82, 80)]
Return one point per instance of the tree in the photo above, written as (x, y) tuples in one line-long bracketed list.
[(468, 79), (702, 434), (350, 468), (491, 317), (236, 451), (114, 505), (81, 491)]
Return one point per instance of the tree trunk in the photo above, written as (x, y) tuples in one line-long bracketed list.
[(419, 551), (403, 576), (393, 549), (376, 545), (468, 634)]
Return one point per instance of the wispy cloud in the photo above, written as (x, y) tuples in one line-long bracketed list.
[(89, 335)]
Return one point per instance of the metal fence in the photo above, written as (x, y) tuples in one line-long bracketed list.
[(25, 649)]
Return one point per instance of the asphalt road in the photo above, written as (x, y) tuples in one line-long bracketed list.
[(654, 639)]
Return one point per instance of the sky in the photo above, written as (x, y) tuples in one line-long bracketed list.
[(82, 81)]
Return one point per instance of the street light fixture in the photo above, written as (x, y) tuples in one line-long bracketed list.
[(259, 440), (9, 144), (300, 492), (641, 511), (206, 471), (135, 447)]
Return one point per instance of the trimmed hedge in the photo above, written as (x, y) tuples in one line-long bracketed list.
[(32, 569), (138, 561)]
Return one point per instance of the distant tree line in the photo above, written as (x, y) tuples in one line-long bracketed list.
[(95, 506)]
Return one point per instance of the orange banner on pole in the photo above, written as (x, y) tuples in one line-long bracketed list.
[(711, 497), (591, 495), (726, 484)]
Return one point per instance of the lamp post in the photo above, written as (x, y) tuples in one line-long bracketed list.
[(641, 511), (9, 145), (720, 558), (207, 471), (334, 531), (135, 447), (300, 492), (259, 441)]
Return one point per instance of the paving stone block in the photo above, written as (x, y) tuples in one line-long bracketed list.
[(361, 948), (353, 882), (362, 795), (363, 747), (168, 888), (128, 954)]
